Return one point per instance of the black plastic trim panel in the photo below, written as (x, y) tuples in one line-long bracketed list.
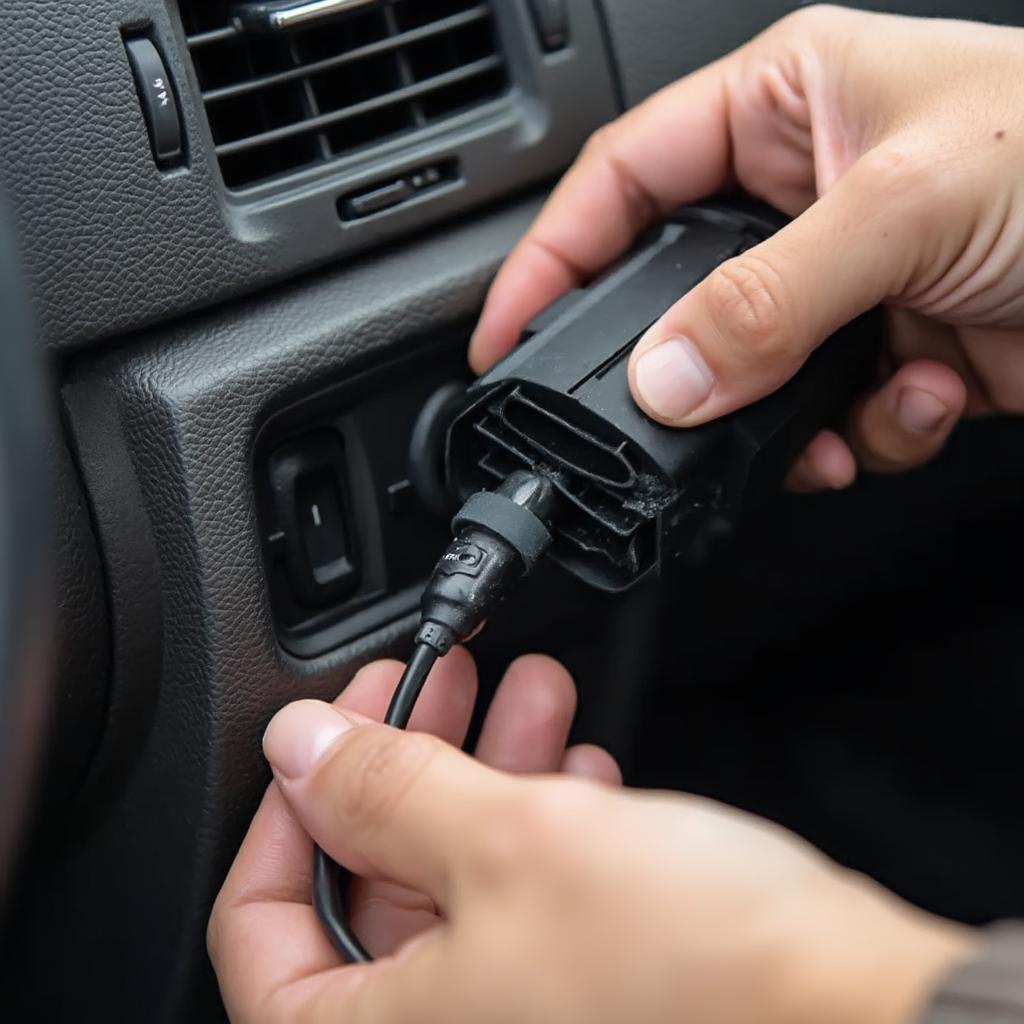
[(171, 422)]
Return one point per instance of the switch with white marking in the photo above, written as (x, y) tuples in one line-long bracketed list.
[(159, 105), (309, 481), (324, 535)]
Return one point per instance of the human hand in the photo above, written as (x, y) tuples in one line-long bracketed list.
[(266, 942), (896, 143), (558, 900)]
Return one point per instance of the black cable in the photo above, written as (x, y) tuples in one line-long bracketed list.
[(411, 686), (499, 538), (330, 880)]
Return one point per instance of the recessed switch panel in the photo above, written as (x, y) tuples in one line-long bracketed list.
[(347, 542)]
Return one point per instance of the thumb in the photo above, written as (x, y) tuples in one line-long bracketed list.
[(385, 803), (749, 326)]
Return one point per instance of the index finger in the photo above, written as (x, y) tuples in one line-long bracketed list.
[(672, 149)]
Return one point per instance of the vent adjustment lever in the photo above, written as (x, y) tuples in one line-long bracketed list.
[(159, 104), (387, 195), (552, 21)]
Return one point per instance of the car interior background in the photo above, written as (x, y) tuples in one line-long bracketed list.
[(253, 253)]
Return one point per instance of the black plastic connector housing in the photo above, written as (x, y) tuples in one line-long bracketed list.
[(635, 493)]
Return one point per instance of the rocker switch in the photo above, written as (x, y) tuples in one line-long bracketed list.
[(309, 483), (324, 535)]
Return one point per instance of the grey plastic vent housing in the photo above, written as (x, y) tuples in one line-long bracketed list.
[(112, 243), (553, 102)]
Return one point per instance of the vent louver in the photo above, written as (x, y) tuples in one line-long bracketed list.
[(280, 103)]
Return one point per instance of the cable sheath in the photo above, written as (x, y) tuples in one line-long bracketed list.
[(330, 880)]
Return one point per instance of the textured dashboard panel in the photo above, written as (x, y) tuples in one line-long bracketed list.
[(654, 42), (110, 244), (180, 410)]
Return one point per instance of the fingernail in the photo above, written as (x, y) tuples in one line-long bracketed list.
[(299, 736), (673, 379), (921, 412)]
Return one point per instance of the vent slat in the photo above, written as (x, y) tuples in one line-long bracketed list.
[(216, 35), (382, 46), (278, 104), (315, 124)]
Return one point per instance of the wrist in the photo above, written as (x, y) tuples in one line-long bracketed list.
[(871, 959)]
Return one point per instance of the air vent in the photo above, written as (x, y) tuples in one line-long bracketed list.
[(282, 102)]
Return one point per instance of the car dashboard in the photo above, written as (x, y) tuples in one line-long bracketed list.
[(250, 248)]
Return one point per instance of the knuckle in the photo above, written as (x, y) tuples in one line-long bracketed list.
[(1010, 400), (810, 21), (551, 817), (531, 834), (810, 16), (924, 192), (372, 772), (898, 175), (749, 306), (885, 453), (600, 141), (887, 457), (607, 147), (1004, 393), (500, 849), (883, 445)]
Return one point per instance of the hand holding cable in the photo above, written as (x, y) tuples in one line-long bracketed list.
[(499, 537), (558, 900)]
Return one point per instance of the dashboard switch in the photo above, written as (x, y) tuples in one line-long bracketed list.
[(312, 522), (552, 21), (390, 194), (159, 106), (382, 198), (324, 536)]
